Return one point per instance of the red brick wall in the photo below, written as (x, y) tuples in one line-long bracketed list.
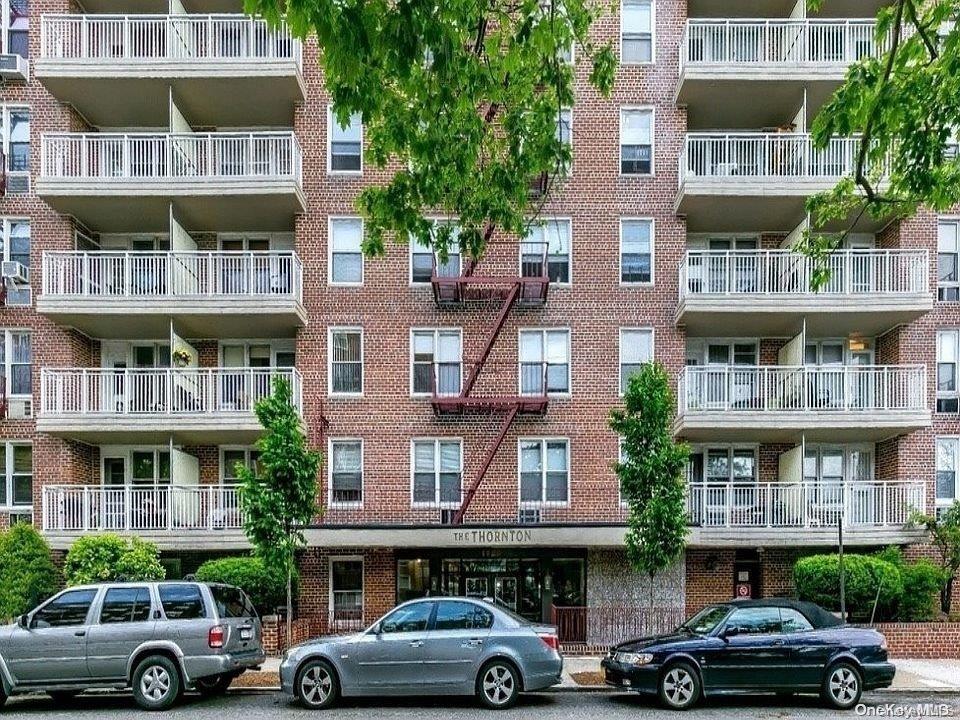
[(921, 640)]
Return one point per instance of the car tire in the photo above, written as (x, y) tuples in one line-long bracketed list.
[(498, 685), (842, 686), (63, 696), (679, 686), (317, 686), (156, 683), (214, 684)]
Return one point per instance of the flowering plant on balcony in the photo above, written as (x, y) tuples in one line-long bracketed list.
[(181, 358)]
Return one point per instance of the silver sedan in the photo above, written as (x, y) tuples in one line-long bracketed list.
[(432, 646)]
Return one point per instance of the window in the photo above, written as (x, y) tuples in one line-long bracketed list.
[(16, 358), (16, 482), (564, 135), (346, 472), (549, 239), (437, 472), (18, 27), (69, 608), (565, 54), (412, 618), (636, 142), (544, 362), (346, 361), (792, 621), (754, 621), (232, 602), (636, 251), (231, 458), (948, 489), (15, 246), (948, 260), (182, 601), (346, 255), (345, 144), (723, 465), (151, 467), (636, 348), (948, 351), (544, 471), (452, 615), (346, 589), (636, 31), (423, 256), (15, 130), (123, 605), (436, 362)]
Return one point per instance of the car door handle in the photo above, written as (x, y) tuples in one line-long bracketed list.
[(473, 642), (778, 643), (80, 633), (416, 643)]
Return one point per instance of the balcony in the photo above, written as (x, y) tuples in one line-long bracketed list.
[(735, 182), (194, 406), (243, 181), (726, 63), (133, 295), (177, 516), (875, 512), (224, 69), (767, 293), (825, 403)]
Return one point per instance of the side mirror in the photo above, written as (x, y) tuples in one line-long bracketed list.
[(730, 632), (23, 621)]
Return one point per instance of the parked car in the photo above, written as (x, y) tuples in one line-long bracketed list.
[(431, 646), (156, 638), (754, 646)]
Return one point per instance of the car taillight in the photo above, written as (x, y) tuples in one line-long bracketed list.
[(215, 636), (550, 641)]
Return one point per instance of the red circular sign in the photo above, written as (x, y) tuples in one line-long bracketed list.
[(743, 590)]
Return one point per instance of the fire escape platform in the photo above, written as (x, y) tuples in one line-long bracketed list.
[(457, 405), (464, 289)]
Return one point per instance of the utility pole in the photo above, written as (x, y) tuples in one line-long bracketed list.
[(843, 598)]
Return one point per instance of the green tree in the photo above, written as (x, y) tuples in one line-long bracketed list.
[(27, 572), (461, 98), (905, 104), (944, 532), (109, 557), (651, 472), (279, 495)]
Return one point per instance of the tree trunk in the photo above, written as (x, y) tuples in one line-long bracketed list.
[(289, 602), (946, 596)]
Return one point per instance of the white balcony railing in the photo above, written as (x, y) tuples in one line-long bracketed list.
[(190, 39), (154, 275), (816, 388), (784, 272), (759, 44), (170, 508), (146, 157), (158, 392), (804, 504), (732, 157)]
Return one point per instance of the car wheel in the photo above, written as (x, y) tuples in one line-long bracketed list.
[(317, 686), (214, 684), (679, 687), (156, 683), (63, 696), (498, 685), (842, 686)]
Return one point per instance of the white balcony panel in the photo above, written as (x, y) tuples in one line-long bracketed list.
[(775, 403), (110, 294), (768, 293), (193, 405), (240, 181), (173, 516), (225, 69)]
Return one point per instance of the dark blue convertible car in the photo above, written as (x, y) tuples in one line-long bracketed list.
[(754, 646)]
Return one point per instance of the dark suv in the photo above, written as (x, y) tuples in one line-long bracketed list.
[(156, 638)]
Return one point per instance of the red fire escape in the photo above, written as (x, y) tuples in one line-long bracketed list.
[(528, 289)]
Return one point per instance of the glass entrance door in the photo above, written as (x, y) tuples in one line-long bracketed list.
[(505, 591)]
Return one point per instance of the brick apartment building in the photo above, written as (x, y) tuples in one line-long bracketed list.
[(182, 208)]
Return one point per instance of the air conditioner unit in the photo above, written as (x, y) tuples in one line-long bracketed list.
[(19, 408), (14, 67), (19, 297), (447, 516), (14, 273), (528, 516)]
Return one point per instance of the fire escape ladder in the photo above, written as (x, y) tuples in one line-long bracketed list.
[(508, 303), (487, 460)]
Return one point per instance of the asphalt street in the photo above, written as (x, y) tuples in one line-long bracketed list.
[(541, 706)]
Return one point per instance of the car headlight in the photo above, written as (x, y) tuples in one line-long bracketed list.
[(629, 658)]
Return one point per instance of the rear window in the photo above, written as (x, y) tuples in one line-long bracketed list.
[(182, 602), (232, 602)]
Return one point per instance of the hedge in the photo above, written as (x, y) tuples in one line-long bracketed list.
[(266, 586), (817, 579), (27, 573), (109, 557)]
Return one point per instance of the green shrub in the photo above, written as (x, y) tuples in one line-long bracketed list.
[(817, 579), (922, 583), (266, 586), (27, 573), (108, 557)]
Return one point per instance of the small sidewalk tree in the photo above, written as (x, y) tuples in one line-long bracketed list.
[(651, 472), (944, 529), (279, 495)]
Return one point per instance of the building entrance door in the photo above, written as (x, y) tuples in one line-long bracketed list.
[(505, 591)]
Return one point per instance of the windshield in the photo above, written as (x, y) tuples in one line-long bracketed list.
[(706, 620)]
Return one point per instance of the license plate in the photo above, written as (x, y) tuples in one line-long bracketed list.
[(246, 633)]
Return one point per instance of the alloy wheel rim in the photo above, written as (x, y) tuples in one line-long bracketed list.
[(678, 687), (843, 685), (155, 683), (498, 684), (316, 684)]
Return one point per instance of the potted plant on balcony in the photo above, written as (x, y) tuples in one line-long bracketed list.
[(181, 357)]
